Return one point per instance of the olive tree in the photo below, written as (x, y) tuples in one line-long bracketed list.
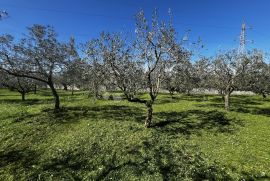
[(158, 50), (97, 73), (169, 82), (202, 74), (112, 60), (39, 56), (144, 63), (228, 69), (71, 75), (257, 76), (19, 84), (184, 79)]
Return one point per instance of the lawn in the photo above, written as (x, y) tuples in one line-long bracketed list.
[(192, 138)]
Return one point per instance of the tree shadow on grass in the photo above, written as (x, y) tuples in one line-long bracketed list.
[(107, 112), (168, 99), (186, 122), (25, 158), (237, 100), (241, 104), (44, 92), (196, 98), (27, 102), (9, 95), (154, 157), (252, 110), (177, 98), (193, 121), (161, 161)]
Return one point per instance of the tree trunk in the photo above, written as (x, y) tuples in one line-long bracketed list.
[(188, 92), (72, 90), (148, 120), (98, 95), (23, 96), (227, 101), (56, 97), (65, 87), (35, 89), (171, 93)]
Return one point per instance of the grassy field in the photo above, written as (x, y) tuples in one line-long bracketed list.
[(192, 138)]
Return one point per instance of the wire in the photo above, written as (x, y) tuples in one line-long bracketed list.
[(67, 12), (113, 17), (208, 26)]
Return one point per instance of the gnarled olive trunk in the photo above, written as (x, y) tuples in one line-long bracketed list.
[(227, 94), (148, 120), (55, 95), (65, 86), (72, 90), (171, 93), (149, 106), (23, 96), (35, 89), (227, 101)]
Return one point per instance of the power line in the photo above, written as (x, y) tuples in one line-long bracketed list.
[(127, 3), (113, 17), (67, 12), (207, 26), (4, 13)]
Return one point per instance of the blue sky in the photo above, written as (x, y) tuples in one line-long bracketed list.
[(216, 22)]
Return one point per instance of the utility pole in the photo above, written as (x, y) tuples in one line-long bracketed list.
[(243, 40)]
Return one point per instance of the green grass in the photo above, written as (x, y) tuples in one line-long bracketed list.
[(191, 139)]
